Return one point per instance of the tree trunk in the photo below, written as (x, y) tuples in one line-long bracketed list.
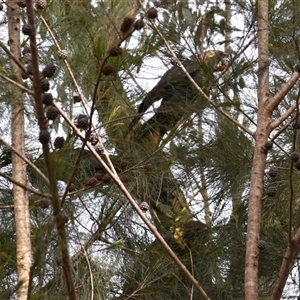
[(259, 158), (21, 202)]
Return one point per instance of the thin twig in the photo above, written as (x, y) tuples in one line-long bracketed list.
[(16, 60), (28, 162), (291, 172), (283, 117), (25, 187), (99, 231), (88, 111), (7, 207), (66, 64), (90, 272), (20, 86)]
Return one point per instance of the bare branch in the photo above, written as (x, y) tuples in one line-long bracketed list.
[(13, 57), (25, 187), (20, 86), (286, 266), (273, 102), (88, 111), (37, 170), (283, 117)]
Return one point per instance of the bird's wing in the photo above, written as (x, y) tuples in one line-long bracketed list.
[(164, 88), (172, 77)]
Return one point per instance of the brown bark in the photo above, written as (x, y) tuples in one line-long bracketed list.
[(294, 243), (21, 202), (259, 158), (58, 215), (286, 266)]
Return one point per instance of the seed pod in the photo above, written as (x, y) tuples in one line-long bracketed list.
[(52, 113), (147, 167), (139, 24), (22, 3), (76, 98), (295, 156), (126, 24), (41, 4), (59, 142), (98, 176), (62, 54), (29, 69), (108, 69), (297, 165), (7, 150), (44, 136), (26, 50), (47, 98), (268, 145), (45, 85), (261, 244), (115, 51), (71, 188), (90, 181), (44, 203), (49, 70), (27, 29), (106, 178), (273, 171), (124, 178), (272, 191), (27, 58), (82, 122), (123, 164), (152, 13)]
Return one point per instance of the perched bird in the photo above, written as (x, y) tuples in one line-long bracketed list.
[(178, 93)]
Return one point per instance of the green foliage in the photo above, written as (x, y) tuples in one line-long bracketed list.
[(199, 173)]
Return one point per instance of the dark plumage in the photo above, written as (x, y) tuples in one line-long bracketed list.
[(177, 92)]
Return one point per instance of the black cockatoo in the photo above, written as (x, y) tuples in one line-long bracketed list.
[(178, 93)]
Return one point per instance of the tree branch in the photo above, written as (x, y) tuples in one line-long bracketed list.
[(286, 266), (23, 186), (28, 162), (59, 217), (283, 117), (13, 57), (273, 102), (20, 86)]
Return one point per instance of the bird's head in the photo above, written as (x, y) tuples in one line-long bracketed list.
[(214, 59)]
